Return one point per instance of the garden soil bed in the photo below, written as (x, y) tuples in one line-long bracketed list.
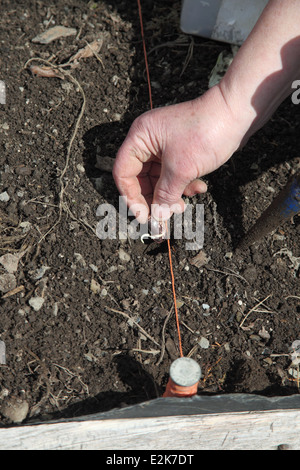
[(86, 322)]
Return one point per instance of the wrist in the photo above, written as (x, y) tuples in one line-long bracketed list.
[(261, 74), (224, 129)]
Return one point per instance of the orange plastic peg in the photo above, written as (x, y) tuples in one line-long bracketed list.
[(184, 377)]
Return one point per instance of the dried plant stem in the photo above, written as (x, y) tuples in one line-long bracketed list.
[(254, 309), (146, 351), (134, 322), (64, 170), (163, 347)]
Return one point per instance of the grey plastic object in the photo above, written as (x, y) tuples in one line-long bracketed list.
[(228, 21), (185, 372), (196, 405)]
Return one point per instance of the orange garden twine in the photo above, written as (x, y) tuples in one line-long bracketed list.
[(185, 373)]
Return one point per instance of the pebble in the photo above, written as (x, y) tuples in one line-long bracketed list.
[(55, 309), (2, 353), (200, 259), (54, 33), (10, 262), (26, 226), (7, 282), (112, 269), (79, 258), (93, 267), (203, 343), (268, 361), (38, 273), (157, 290), (263, 333), (115, 79), (4, 197), (15, 410), (80, 168), (36, 303), (4, 393), (95, 287), (123, 256), (117, 117)]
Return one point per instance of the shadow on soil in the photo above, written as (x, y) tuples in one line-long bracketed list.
[(225, 183)]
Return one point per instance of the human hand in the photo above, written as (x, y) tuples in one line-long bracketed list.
[(168, 149)]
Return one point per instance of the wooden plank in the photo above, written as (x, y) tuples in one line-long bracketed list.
[(263, 430)]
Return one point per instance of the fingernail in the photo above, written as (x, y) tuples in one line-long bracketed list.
[(160, 212)]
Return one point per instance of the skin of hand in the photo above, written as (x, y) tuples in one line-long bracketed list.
[(168, 149)]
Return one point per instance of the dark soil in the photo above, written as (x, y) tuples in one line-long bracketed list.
[(78, 354)]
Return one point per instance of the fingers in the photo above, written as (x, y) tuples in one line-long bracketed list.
[(125, 171), (170, 187), (195, 187), (150, 173), (135, 173)]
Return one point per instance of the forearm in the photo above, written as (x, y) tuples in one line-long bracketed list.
[(262, 72)]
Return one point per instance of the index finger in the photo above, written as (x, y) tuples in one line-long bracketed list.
[(132, 180)]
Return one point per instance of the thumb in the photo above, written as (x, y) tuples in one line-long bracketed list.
[(167, 197)]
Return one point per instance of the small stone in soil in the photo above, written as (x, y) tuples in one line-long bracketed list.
[(2, 353), (203, 343), (95, 286), (4, 197), (10, 262), (7, 282), (15, 410), (36, 303), (54, 33), (38, 273), (123, 256)]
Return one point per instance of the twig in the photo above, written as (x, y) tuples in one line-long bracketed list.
[(177, 42), (64, 170), (135, 323), (163, 346), (83, 222), (146, 351), (292, 297), (72, 374), (214, 210), (96, 53), (193, 350), (232, 273), (14, 291), (254, 309), (187, 327), (44, 375), (279, 355), (188, 56)]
